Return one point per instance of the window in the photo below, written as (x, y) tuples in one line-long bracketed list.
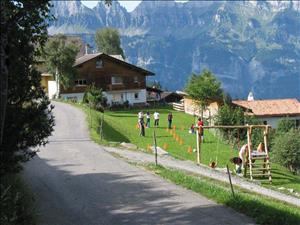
[(80, 82), (136, 95), (116, 80), (116, 98), (136, 79), (99, 63)]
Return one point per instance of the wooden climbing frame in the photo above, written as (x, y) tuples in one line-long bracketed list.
[(258, 164)]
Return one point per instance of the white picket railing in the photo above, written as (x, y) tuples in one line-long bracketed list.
[(178, 106)]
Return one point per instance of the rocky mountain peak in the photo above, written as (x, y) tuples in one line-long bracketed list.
[(69, 8)]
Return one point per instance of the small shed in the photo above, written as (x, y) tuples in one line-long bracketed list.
[(168, 97)]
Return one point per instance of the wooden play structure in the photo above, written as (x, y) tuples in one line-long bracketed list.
[(257, 164)]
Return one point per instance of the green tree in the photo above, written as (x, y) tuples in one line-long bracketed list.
[(108, 41), (95, 99), (60, 56), (228, 115), (26, 118), (286, 150), (204, 88), (285, 125)]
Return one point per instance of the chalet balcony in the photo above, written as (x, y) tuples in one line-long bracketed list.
[(133, 85), (115, 87)]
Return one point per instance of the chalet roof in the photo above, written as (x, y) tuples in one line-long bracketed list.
[(85, 58), (168, 93), (274, 107), (115, 58), (182, 93)]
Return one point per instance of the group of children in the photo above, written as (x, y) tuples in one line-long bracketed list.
[(142, 124)]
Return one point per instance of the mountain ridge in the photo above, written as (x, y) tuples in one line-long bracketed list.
[(248, 45)]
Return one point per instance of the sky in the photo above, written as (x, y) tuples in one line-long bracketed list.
[(129, 5)]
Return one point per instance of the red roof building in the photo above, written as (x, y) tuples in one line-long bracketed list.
[(270, 111)]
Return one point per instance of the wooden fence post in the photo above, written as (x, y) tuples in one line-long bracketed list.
[(155, 147), (198, 146)]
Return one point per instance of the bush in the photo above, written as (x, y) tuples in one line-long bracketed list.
[(93, 96), (286, 150), (285, 125)]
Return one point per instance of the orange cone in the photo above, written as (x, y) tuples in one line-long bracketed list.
[(181, 141), (165, 146)]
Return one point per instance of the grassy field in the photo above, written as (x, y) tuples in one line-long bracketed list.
[(120, 126)]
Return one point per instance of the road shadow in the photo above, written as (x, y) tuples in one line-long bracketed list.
[(70, 194)]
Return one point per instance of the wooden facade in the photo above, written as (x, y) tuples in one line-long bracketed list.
[(99, 69)]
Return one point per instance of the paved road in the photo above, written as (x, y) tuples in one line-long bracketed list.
[(76, 182)]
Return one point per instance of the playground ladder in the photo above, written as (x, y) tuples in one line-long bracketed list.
[(259, 165)]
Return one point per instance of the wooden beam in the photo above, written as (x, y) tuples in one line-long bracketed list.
[(249, 160), (198, 146), (266, 132), (237, 126)]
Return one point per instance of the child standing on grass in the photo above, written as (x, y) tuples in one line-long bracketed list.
[(192, 129), (148, 120), (141, 123), (243, 154), (156, 119), (170, 118), (200, 128)]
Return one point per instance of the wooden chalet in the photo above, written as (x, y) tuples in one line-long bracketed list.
[(119, 80)]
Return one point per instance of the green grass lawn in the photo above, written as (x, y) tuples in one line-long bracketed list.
[(120, 126)]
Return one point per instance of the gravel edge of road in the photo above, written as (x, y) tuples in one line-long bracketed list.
[(168, 161)]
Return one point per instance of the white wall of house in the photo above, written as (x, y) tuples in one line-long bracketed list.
[(132, 96), (190, 107), (52, 89), (75, 96), (273, 121)]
